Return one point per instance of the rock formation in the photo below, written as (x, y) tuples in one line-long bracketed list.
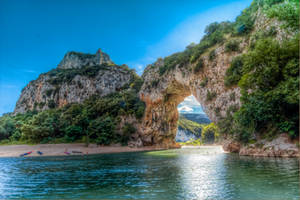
[(161, 92), (77, 77)]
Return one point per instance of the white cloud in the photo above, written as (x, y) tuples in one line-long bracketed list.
[(29, 71), (185, 109)]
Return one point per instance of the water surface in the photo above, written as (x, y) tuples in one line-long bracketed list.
[(171, 174)]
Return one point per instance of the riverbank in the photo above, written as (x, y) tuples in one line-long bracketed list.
[(73, 149), (280, 146)]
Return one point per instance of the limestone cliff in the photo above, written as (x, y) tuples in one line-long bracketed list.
[(165, 83), (163, 93), (77, 77)]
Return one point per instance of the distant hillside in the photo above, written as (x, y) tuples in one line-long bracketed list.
[(190, 126), (199, 118)]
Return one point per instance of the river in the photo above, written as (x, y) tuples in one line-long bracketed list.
[(204, 173)]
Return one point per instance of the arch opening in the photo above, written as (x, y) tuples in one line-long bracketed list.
[(191, 123)]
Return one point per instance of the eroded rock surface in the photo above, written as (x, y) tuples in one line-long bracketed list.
[(93, 75), (281, 146)]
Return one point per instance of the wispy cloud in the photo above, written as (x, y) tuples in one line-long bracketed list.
[(190, 30), (29, 71)]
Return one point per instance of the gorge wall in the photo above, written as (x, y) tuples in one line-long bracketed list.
[(166, 83), (77, 77)]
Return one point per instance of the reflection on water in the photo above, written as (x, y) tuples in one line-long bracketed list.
[(172, 174)]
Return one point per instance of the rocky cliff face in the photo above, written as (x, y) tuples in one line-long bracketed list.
[(163, 93), (77, 77), (78, 60)]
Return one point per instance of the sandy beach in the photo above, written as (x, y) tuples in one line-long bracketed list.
[(73, 149)]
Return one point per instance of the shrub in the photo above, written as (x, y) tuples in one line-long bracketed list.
[(51, 103), (49, 92), (204, 82), (287, 11), (212, 55), (128, 130), (210, 133), (232, 45), (103, 129), (270, 72), (154, 83), (244, 22), (232, 96), (199, 66), (234, 72), (210, 95)]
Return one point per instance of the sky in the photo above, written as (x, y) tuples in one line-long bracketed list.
[(190, 105), (36, 34)]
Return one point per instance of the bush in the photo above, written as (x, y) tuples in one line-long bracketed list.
[(245, 21), (51, 103), (212, 55), (234, 72), (103, 129), (128, 130), (270, 72), (199, 66), (210, 95), (232, 45), (287, 11), (49, 92), (204, 82), (210, 133)]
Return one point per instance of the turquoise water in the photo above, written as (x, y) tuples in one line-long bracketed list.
[(171, 174)]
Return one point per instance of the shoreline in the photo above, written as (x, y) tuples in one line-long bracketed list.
[(7, 151)]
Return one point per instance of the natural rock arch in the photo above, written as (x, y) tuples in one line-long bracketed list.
[(162, 94)]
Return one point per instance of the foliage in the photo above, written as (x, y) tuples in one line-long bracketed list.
[(244, 22), (210, 95), (234, 72), (270, 89), (189, 125), (51, 103), (128, 129), (58, 76), (232, 45), (204, 82), (199, 66), (103, 130), (287, 11), (7, 127), (212, 55), (95, 119), (210, 133), (192, 142)]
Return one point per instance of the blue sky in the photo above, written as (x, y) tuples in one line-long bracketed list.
[(36, 34)]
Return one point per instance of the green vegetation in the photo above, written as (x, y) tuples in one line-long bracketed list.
[(189, 125), (269, 79), (210, 133), (210, 95), (287, 11), (234, 72), (58, 76), (199, 66), (231, 46), (192, 142), (215, 33), (204, 82), (95, 120), (212, 55)]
